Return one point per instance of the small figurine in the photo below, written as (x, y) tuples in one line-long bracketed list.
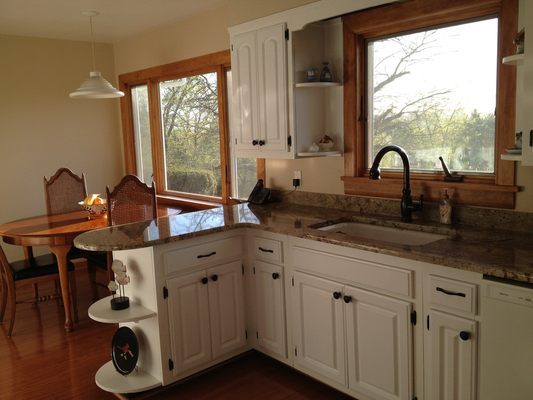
[(325, 75), (121, 302)]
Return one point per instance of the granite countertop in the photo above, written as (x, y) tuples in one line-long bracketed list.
[(498, 254)]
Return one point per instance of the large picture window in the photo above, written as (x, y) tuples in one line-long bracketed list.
[(176, 130), (427, 75)]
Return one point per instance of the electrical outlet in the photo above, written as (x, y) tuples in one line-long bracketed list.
[(297, 175), (297, 179)]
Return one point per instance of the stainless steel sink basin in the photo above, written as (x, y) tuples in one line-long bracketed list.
[(384, 233)]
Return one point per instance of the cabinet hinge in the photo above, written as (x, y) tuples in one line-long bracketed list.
[(257, 335), (245, 334), (170, 364), (235, 140), (165, 292), (292, 280), (289, 141), (231, 47), (242, 265), (253, 269), (427, 322), (286, 34), (413, 317), (295, 351)]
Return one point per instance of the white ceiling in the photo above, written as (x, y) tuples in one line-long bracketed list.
[(118, 19)]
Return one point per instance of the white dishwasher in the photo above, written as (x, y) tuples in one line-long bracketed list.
[(506, 359)]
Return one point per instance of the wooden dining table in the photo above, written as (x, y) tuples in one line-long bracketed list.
[(58, 232)]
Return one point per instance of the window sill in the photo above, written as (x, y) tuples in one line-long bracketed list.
[(467, 193), (188, 205)]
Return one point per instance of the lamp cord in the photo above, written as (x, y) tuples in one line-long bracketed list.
[(92, 42)]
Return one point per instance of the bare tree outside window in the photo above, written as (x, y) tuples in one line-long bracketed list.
[(434, 93)]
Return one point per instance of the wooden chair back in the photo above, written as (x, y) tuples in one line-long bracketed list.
[(63, 191), (130, 201)]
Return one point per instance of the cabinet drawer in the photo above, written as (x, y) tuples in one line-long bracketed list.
[(452, 295), (202, 254), (394, 280), (268, 250)]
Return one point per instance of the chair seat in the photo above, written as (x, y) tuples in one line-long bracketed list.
[(36, 267)]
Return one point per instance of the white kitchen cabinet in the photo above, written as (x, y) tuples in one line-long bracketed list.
[(206, 315), (453, 357), (379, 344), (319, 327), (270, 308), (525, 93), (259, 94)]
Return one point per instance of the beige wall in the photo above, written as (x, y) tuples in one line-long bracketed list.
[(208, 33), (42, 129)]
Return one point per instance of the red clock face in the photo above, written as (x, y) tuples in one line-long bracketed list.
[(124, 350)]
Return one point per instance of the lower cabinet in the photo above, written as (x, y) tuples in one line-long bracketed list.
[(453, 357), (339, 326), (270, 308), (206, 315)]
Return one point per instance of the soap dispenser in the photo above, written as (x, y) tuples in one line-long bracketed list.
[(445, 208)]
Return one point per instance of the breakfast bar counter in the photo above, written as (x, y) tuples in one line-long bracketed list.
[(494, 253)]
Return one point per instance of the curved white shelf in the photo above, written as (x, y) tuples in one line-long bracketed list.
[(107, 378), (515, 59), (316, 84), (101, 311), (319, 154)]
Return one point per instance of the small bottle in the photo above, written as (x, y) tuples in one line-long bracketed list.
[(325, 75), (445, 209)]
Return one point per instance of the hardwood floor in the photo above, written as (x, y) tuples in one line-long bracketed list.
[(42, 361)]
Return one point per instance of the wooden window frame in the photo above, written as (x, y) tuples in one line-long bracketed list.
[(496, 190), (151, 77)]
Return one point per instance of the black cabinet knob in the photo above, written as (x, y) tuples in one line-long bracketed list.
[(261, 143), (347, 299), (337, 295), (275, 275), (214, 278), (464, 335), (204, 280), (255, 142)]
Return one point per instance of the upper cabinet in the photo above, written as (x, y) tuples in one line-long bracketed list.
[(259, 79)]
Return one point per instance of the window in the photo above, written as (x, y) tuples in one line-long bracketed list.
[(175, 121), (414, 109)]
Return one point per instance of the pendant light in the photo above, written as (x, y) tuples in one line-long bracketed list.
[(96, 87)]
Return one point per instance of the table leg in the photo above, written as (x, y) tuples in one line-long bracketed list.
[(60, 251)]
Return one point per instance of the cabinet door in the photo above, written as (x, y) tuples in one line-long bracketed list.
[(526, 93), (319, 327), (188, 314), (226, 306), (272, 85), (379, 345), (245, 122), (270, 308), (453, 345)]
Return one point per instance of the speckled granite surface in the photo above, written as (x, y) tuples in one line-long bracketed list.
[(497, 253)]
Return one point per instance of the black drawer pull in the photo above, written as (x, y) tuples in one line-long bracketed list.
[(207, 255), (204, 280), (337, 295), (254, 142), (531, 138), (450, 293), (266, 250), (347, 299), (214, 278), (275, 275)]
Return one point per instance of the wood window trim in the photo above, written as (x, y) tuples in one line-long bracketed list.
[(215, 62), (496, 190)]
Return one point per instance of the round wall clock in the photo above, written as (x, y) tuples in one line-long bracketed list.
[(124, 350)]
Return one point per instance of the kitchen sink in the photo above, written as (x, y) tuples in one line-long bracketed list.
[(384, 233)]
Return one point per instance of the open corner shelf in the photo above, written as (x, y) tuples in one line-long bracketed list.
[(515, 59), (101, 311), (316, 84), (107, 378), (319, 154), (511, 157)]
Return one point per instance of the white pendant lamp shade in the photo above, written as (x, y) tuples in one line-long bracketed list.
[(96, 87)]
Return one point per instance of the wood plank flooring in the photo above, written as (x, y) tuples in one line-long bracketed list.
[(41, 361)]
